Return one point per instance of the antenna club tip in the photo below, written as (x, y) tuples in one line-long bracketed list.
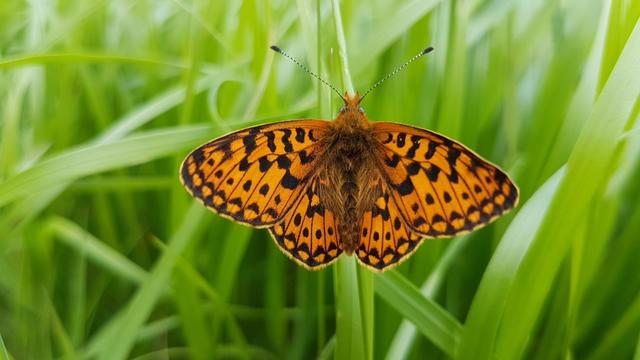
[(427, 50), (275, 48)]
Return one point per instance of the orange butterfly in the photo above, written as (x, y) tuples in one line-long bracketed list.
[(375, 189)]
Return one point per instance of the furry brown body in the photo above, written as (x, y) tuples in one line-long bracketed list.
[(350, 181)]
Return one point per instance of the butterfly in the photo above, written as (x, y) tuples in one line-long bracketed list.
[(370, 189)]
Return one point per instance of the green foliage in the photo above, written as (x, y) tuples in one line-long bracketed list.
[(104, 255)]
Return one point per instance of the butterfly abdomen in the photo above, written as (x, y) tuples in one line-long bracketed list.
[(351, 178)]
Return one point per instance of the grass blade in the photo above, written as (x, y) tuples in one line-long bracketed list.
[(429, 317), (118, 343), (91, 159)]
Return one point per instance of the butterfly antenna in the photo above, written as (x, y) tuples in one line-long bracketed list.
[(397, 70), (281, 52)]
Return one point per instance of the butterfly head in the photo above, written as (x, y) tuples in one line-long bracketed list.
[(352, 104)]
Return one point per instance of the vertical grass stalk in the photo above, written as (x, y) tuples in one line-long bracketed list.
[(353, 286), (322, 337)]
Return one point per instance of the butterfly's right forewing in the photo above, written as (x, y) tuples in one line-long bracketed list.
[(441, 188), (254, 176)]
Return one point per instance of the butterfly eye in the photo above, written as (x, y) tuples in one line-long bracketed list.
[(343, 109), (361, 110)]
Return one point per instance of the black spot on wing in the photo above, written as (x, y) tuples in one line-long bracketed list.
[(247, 185), (300, 135), (304, 158), (452, 156), (433, 172), (431, 150), (405, 187), (264, 164), (271, 140), (198, 156), (393, 161), (415, 144), (244, 164), (283, 162), (312, 136), (400, 139), (414, 168), (289, 181), (249, 143)]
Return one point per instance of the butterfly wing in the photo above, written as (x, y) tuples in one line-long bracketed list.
[(385, 238), (440, 187), (308, 233), (255, 175)]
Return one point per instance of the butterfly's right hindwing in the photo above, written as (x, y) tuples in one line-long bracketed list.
[(255, 175), (385, 239)]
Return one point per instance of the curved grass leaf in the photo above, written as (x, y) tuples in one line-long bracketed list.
[(532, 277), (91, 159), (430, 318)]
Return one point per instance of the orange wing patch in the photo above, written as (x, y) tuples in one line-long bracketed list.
[(308, 233), (441, 188), (385, 239), (255, 175)]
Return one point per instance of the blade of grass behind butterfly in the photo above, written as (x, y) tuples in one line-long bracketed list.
[(477, 338), (353, 289), (4, 354), (321, 279), (387, 29), (233, 250), (586, 171), (430, 318), (617, 339), (118, 342), (23, 210), (405, 336), (610, 115), (452, 104), (90, 159)]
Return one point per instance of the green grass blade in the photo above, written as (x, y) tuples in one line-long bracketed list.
[(365, 292), (4, 354), (349, 324), (78, 238), (354, 313), (118, 344), (586, 172), (91, 159), (397, 22), (482, 324), (430, 318)]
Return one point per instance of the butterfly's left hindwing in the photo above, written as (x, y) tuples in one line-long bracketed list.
[(440, 187), (309, 233), (255, 175)]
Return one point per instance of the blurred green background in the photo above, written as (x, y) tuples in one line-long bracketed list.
[(104, 255)]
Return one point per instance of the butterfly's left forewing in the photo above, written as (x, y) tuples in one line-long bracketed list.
[(254, 176), (440, 187)]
